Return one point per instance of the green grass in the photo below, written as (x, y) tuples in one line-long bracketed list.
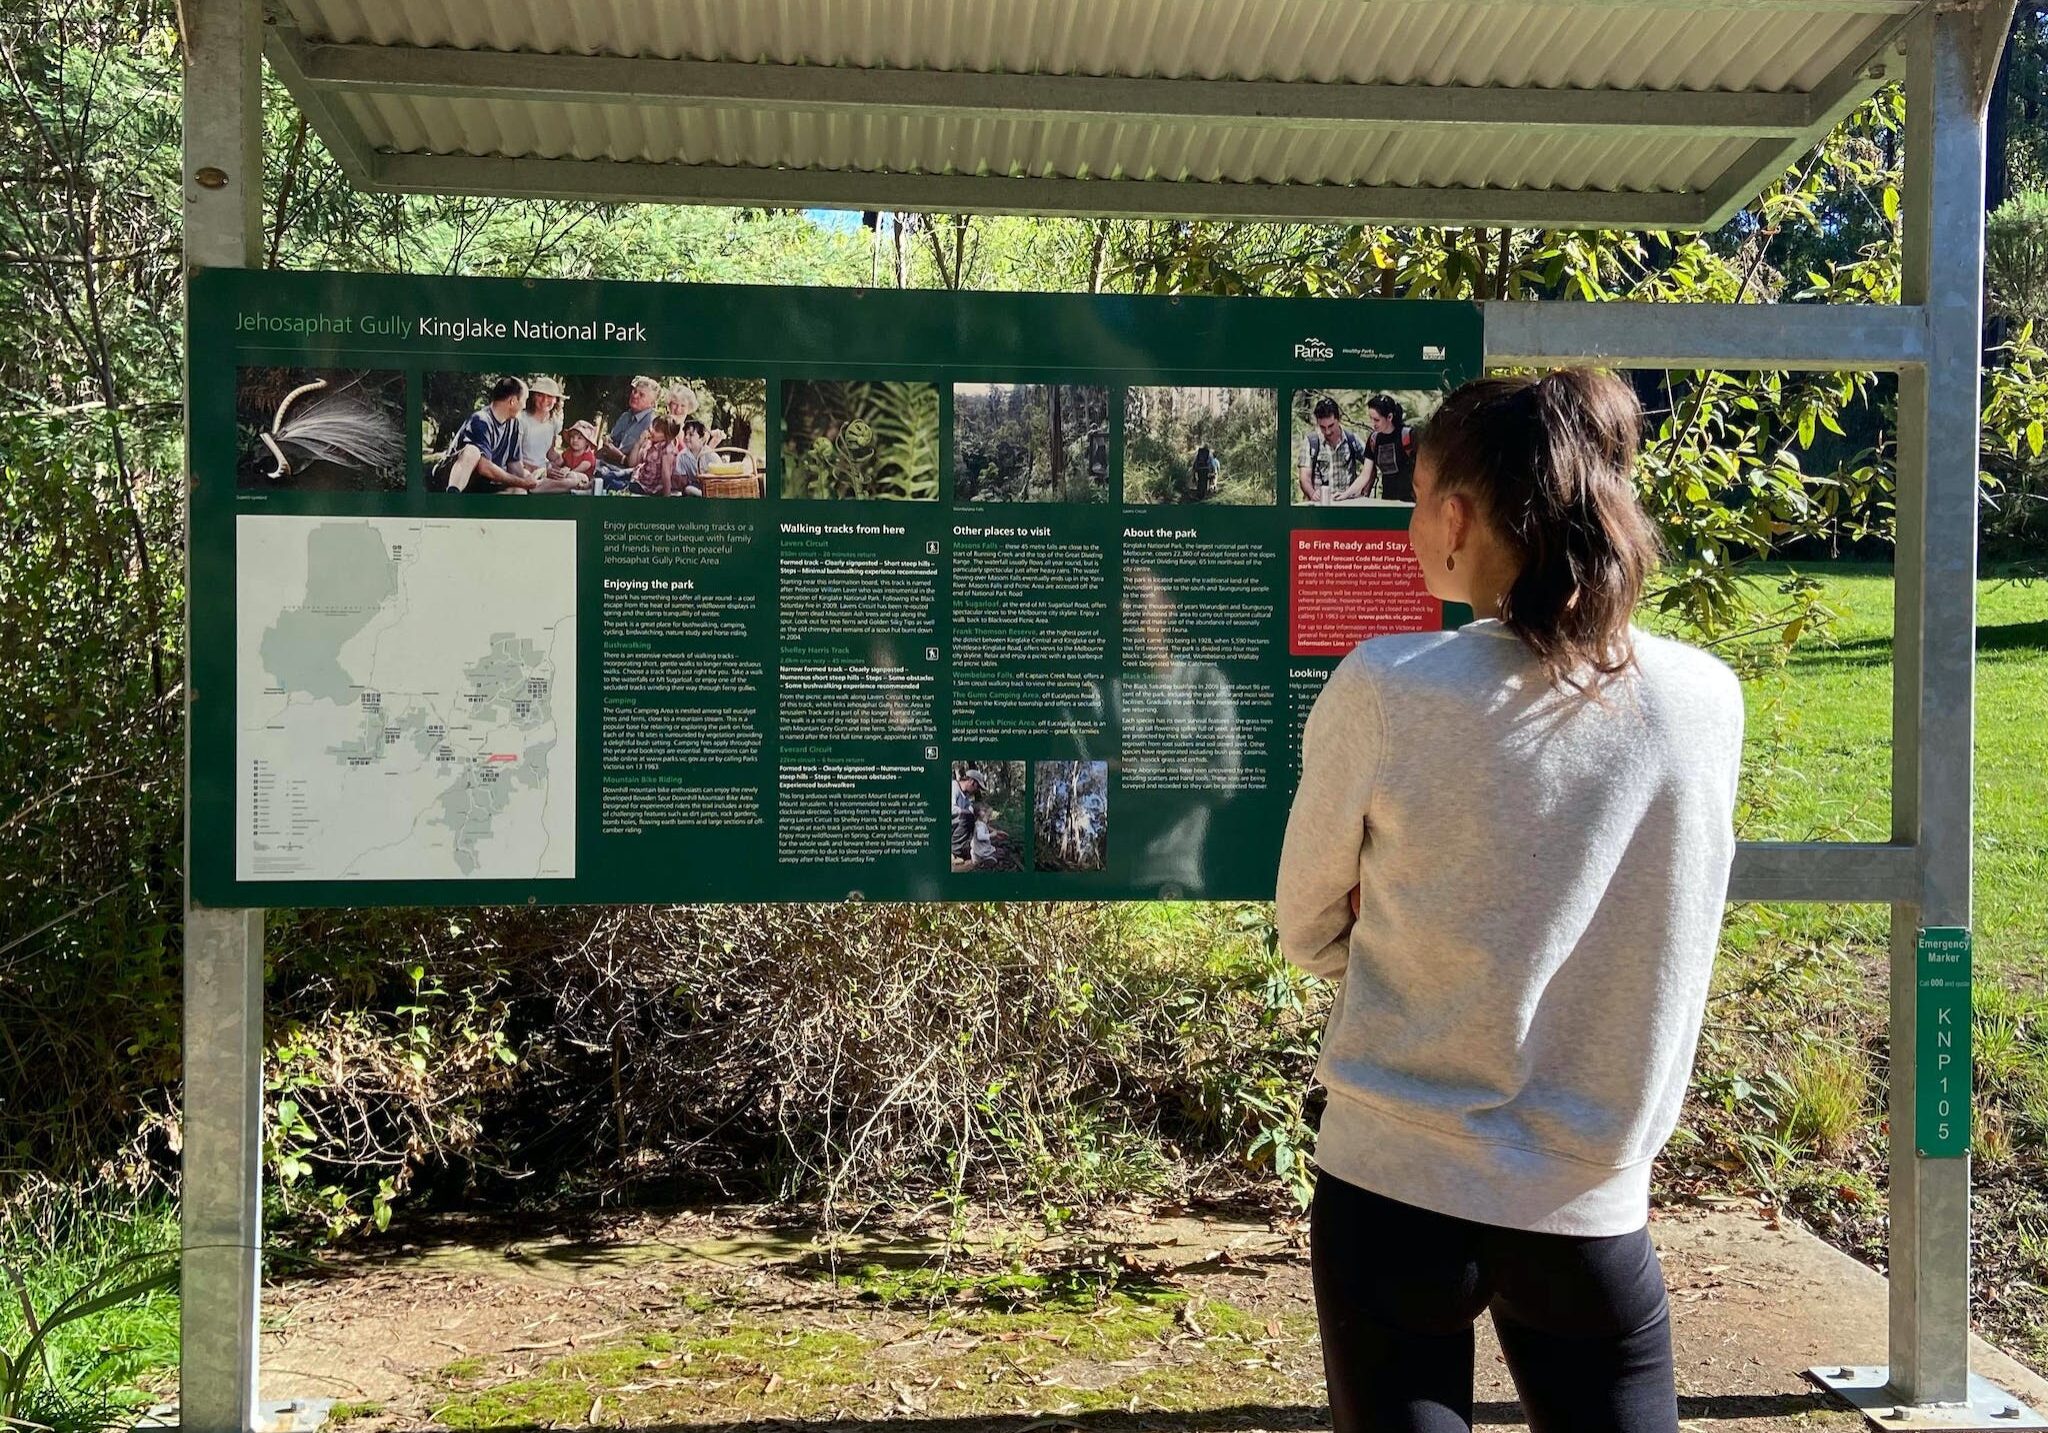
[(111, 1362), (1820, 748)]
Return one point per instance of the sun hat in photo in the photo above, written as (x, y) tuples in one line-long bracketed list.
[(976, 776), (544, 384), (587, 428)]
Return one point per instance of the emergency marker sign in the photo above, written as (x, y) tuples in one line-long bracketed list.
[(1941, 1115)]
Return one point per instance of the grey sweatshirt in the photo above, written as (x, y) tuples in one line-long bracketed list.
[(1540, 880)]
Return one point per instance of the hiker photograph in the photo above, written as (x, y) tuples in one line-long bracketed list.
[(1200, 445), (984, 793), (320, 429), (595, 435), (860, 439), (1355, 447), (1070, 815), (1030, 443)]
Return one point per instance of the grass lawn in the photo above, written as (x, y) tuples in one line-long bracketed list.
[(1789, 1097), (1820, 750)]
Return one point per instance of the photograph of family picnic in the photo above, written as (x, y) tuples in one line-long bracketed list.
[(1030, 443), (1200, 445), (984, 795), (1070, 815), (597, 435), (1355, 447), (320, 429), (860, 439)]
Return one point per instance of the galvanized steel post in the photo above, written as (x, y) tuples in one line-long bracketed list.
[(1934, 636), (221, 1168)]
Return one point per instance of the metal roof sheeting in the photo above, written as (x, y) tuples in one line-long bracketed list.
[(1742, 47), (898, 144)]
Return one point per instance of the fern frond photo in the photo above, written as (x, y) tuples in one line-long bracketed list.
[(860, 439)]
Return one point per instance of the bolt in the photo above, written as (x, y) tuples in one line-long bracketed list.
[(1875, 72), (2011, 1410), (1845, 1373), (210, 178)]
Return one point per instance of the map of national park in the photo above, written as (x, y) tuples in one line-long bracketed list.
[(406, 700)]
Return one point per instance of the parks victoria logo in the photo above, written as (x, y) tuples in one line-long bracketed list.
[(1314, 350), (1432, 353)]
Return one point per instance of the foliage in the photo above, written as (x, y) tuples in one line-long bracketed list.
[(87, 1310), (2015, 409), (2016, 257), (1023, 442), (1070, 805), (1165, 429), (860, 439), (1036, 1053)]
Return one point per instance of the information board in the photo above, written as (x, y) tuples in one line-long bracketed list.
[(513, 591)]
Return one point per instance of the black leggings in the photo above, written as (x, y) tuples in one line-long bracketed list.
[(1582, 1322)]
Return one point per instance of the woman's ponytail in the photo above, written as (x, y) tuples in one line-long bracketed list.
[(1551, 464)]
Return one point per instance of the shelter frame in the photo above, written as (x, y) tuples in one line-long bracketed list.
[(1931, 340)]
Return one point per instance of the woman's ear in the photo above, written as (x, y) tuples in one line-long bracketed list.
[(1458, 516)]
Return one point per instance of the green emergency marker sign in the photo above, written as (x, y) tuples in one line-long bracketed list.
[(1942, 1042)]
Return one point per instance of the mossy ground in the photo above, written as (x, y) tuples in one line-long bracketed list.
[(933, 1341)]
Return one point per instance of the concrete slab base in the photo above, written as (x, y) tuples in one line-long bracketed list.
[(1869, 1391)]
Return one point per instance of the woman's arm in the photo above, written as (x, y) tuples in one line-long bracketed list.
[(1342, 747)]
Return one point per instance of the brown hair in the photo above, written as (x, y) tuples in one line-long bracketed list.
[(666, 425), (1550, 462)]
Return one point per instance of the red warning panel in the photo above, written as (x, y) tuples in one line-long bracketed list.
[(1344, 587)]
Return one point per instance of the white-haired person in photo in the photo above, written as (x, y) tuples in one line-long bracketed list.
[(620, 449)]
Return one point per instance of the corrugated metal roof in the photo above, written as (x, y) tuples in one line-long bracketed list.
[(895, 144), (1816, 48)]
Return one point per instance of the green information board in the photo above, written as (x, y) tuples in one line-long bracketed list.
[(1941, 1042), (512, 591)]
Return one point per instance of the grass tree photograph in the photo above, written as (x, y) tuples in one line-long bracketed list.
[(1070, 815), (320, 429), (1030, 443), (1200, 445), (988, 799), (860, 438)]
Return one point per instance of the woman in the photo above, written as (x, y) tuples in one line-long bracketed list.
[(1512, 844), (540, 425), (1391, 442)]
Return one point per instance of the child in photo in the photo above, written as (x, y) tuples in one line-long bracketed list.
[(694, 457), (654, 470), (579, 455)]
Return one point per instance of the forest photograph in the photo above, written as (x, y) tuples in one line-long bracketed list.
[(1070, 815), (320, 429), (1030, 443), (1200, 445), (860, 438)]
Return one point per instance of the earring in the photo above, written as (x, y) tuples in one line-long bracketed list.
[(1450, 562)]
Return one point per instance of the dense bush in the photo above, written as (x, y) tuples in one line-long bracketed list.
[(1049, 1053)]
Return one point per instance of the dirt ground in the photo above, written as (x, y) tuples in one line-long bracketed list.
[(1157, 1319)]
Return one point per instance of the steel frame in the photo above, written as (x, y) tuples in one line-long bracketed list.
[(1931, 340)]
